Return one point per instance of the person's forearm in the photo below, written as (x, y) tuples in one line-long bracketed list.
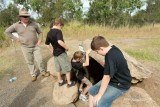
[(104, 84), (62, 44), (8, 32), (39, 42), (86, 63), (40, 36)]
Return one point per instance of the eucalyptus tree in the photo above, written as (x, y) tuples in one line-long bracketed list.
[(78, 13), (8, 15), (24, 3), (51, 9), (37, 6), (2, 4), (72, 10), (153, 11), (112, 12)]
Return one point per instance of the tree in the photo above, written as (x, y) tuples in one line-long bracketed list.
[(149, 16), (72, 10), (25, 3), (78, 13), (153, 11), (9, 15), (139, 19), (37, 5), (1, 4), (48, 10), (112, 12)]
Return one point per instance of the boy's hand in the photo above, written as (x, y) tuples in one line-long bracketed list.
[(88, 51), (67, 48), (96, 99)]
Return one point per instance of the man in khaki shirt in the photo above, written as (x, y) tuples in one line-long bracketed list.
[(27, 31)]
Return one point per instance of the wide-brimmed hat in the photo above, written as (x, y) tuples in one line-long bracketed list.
[(23, 12)]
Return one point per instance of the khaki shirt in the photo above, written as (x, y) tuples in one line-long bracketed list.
[(27, 35)]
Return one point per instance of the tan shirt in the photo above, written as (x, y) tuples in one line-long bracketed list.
[(27, 34)]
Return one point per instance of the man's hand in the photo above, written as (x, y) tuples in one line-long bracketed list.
[(38, 43)]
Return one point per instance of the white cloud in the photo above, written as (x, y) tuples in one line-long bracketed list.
[(85, 5)]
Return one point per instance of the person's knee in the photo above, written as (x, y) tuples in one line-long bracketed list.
[(68, 73), (104, 103), (90, 85)]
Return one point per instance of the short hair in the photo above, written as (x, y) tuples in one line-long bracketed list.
[(98, 41), (56, 22), (78, 54)]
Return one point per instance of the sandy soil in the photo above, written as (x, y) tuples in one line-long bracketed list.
[(24, 93)]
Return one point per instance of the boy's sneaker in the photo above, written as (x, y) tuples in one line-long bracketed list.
[(72, 84), (64, 82), (83, 98)]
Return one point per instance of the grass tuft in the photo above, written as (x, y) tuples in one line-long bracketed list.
[(142, 54)]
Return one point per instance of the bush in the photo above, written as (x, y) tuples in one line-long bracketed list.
[(4, 41)]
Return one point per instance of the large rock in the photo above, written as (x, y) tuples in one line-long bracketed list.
[(138, 71), (63, 95), (135, 97)]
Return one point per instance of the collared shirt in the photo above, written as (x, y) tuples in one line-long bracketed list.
[(27, 35), (24, 24)]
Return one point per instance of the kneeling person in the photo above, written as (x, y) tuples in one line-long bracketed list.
[(78, 66)]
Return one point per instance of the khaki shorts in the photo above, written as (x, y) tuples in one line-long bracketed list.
[(62, 63)]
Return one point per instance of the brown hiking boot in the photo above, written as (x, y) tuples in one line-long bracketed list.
[(46, 74), (34, 78)]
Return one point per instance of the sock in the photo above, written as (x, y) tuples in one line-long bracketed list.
[(61, 81), (69, 83)]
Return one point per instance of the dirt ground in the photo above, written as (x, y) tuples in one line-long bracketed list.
[(24, 93)]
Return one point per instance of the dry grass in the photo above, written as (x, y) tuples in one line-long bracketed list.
[(141, 43), (144, 41)]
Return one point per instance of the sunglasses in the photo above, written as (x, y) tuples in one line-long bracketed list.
[(25, 16)]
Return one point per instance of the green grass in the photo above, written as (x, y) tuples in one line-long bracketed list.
[(142, 54), (145, 49)]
